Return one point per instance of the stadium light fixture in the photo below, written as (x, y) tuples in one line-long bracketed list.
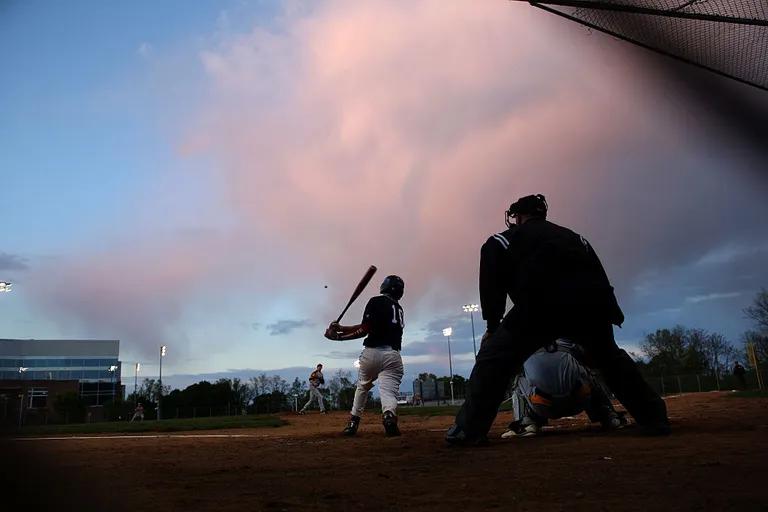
[(5, 286), (471, 308)]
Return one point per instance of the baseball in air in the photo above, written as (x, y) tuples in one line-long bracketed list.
[(326, 286)]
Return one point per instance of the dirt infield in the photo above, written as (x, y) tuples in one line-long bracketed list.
[(715, 460)]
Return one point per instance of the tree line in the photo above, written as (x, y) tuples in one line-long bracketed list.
[(258, 394), (685, 351)]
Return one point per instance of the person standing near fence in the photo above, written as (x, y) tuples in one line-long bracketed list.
[(138, 412), (315, 381), (739, 372)]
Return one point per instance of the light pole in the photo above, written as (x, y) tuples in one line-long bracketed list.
[(112, 370), (447, 333), (160, 392), (136, 368), (5, 286), (22, 369), (471, 308)]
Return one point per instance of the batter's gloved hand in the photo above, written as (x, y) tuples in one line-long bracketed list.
[(332, 332)]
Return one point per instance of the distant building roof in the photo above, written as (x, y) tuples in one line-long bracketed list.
[(59, 348)]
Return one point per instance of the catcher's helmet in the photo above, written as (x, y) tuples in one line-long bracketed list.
[(528, 205), (393, 286)]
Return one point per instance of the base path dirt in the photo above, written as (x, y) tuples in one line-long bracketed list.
[(716, 459)]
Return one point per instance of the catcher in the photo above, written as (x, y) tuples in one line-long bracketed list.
[(555, 383), (315, 381), (380, 359)]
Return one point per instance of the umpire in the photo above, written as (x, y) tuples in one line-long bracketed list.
[(559, 289)]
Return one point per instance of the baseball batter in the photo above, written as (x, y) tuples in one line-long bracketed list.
[(315, 381), (380, 359), (554, 383)]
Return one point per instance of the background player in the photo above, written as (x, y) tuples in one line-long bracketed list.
[(315, 381), (380, 359)]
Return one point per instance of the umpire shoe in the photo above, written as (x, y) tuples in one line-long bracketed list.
[(390, 424), (457, 436), (351, 428)]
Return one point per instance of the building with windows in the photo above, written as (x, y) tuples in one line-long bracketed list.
[(35, 368)]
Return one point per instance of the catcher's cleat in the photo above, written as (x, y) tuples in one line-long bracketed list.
[(457, 436), (616, 421), (351, 428), (529, 430), (390, 424)]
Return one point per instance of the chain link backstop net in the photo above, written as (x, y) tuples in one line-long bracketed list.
[(728, 37)]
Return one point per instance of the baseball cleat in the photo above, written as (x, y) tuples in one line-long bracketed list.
[(529, 430), (458, 437), (351, 428), (390, 424)]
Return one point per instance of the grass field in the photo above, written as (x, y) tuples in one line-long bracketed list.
[(192, 424), (175, 425)]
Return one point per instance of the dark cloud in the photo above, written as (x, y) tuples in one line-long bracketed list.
[(12, 262), (286, 326)]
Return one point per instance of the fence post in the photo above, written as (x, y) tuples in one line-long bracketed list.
[(679, 385), (698, 381)]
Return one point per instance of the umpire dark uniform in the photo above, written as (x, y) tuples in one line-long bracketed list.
[(559, 289)]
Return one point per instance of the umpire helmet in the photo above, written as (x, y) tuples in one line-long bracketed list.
[(535, 205), (393, 286)]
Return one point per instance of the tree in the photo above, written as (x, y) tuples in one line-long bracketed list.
[(761, 345), (665, 349), (680, 351), (342, 389), (758, 311), (427, 376), (298, 388), (240, 392)]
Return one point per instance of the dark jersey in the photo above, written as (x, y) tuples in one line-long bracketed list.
[(547, 267), (384, 318)]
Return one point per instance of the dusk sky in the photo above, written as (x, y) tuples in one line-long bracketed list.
[(195, 173)]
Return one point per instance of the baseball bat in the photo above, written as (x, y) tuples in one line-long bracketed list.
[(359, 289)]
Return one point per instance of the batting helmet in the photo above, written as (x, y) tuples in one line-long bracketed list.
[(393, 286)]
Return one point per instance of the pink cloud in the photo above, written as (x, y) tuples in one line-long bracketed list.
[(396, 134)]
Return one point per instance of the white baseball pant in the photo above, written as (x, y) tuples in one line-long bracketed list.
[(314, 394), (386, 365)]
